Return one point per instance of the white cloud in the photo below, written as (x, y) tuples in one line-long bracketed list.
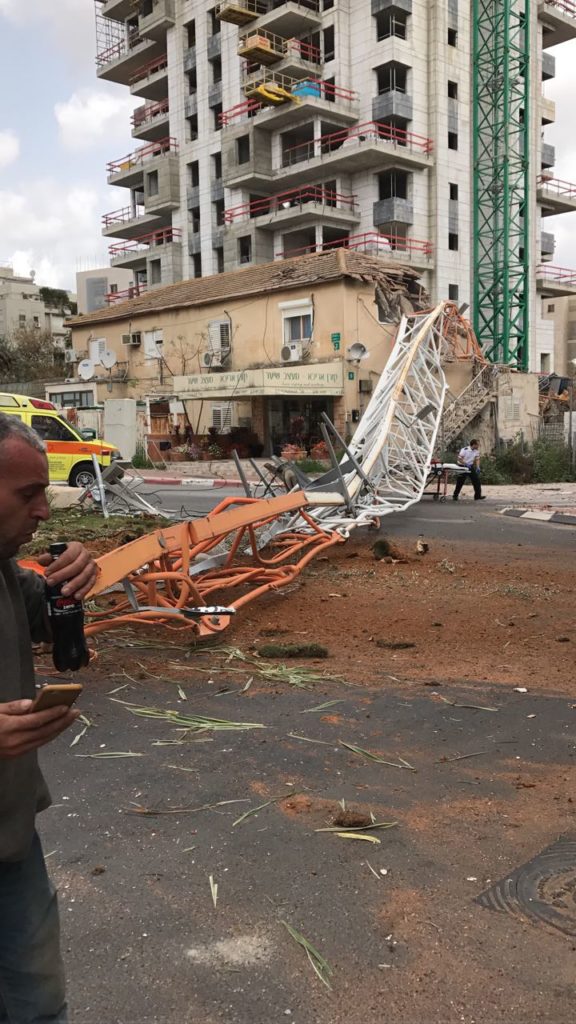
[(70, 23), (54, 229), (92, 115), (9, 147)]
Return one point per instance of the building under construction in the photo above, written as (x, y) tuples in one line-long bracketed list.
[(410, 130)]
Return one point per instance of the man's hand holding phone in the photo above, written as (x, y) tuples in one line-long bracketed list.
[(23, 729)]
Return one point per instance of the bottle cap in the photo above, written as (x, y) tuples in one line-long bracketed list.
[(58, 548)]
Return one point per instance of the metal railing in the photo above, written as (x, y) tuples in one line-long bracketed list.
[(369, 132), (371, 243), (557, 275), (152, 68), (149, 112), (279, 46), (245, 109), (127, 293), (561, 188), (119, 49), (255, 7), (143, 243), (564, 6), (140, 156), (121, 216), (469, 401), (295, 197)]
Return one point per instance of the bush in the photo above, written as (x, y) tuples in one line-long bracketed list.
[(545, 462), (141, 460), (311, 466)]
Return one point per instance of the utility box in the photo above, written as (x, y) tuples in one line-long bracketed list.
[(120, 425)]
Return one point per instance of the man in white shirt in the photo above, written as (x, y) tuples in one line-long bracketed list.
[(469, 457)]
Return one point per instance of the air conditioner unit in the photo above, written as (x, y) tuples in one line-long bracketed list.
[(132, 340), (212, 360), (292, 352), (71, 356)]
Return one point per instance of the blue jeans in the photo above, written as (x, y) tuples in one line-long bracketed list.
[(32, 988)]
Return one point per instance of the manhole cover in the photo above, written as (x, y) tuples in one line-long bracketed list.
[(543, 890)]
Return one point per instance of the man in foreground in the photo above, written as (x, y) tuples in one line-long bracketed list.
[(469, 457), (32, 989)]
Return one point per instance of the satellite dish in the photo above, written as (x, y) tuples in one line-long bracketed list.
[(356, 352), (108, 358), (86, 369)]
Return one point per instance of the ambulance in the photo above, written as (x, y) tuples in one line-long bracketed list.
[(69, 453)]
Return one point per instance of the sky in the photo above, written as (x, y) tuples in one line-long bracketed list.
[(62, 125)]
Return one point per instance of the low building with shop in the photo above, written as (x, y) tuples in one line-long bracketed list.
[(266, 349)]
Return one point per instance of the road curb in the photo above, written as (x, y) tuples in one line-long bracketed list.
[(190, 481), (540, 516)]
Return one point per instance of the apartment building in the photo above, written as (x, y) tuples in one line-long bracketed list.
[(96, 288), (21, 304), (273, 128)]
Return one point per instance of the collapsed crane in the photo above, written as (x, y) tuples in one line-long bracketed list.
[(248, 546)]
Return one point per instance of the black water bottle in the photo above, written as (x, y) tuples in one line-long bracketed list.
[(67, 623)]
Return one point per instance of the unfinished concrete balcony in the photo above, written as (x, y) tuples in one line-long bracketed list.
[(295, 208), (151, 80), (390, 248), (118, 10), (278, 101), (151, 121), (555, 196), (558, 20), (547, 111), (156, 17), (548, 66), (290, 19), (547, 245), (129, 222), (129, 171), (554, 282), (134, 254), (366, 146), (247, 158), (548, 156), (292, 57), (393, 103), (240, 12), (121, 61), (393, 209)]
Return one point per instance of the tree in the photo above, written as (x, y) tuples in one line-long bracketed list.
[(29, 354), (57, 298)]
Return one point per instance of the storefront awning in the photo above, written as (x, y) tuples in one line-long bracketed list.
[(312, 380)]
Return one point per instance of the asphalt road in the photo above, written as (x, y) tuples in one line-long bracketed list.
[(467, 519), (134, 840)]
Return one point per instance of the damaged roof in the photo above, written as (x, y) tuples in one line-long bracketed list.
[(396, 282)]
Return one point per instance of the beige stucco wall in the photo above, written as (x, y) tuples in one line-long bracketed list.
[(344, 308)]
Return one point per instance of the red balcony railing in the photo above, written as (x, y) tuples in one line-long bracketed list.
[(371, 243), (140, 156), (261, 39), (322, 90), (145, 242), (294, 197), (557, 275), (246, 109), (564, 6), (369, 132), (128, 293), (121, 216), (564, 189), (149, 112), (119, 49), (148, 70)]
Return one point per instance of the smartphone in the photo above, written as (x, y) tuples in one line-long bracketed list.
[(54, 695)]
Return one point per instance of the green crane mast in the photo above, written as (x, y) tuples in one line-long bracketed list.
[(501, 167)]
